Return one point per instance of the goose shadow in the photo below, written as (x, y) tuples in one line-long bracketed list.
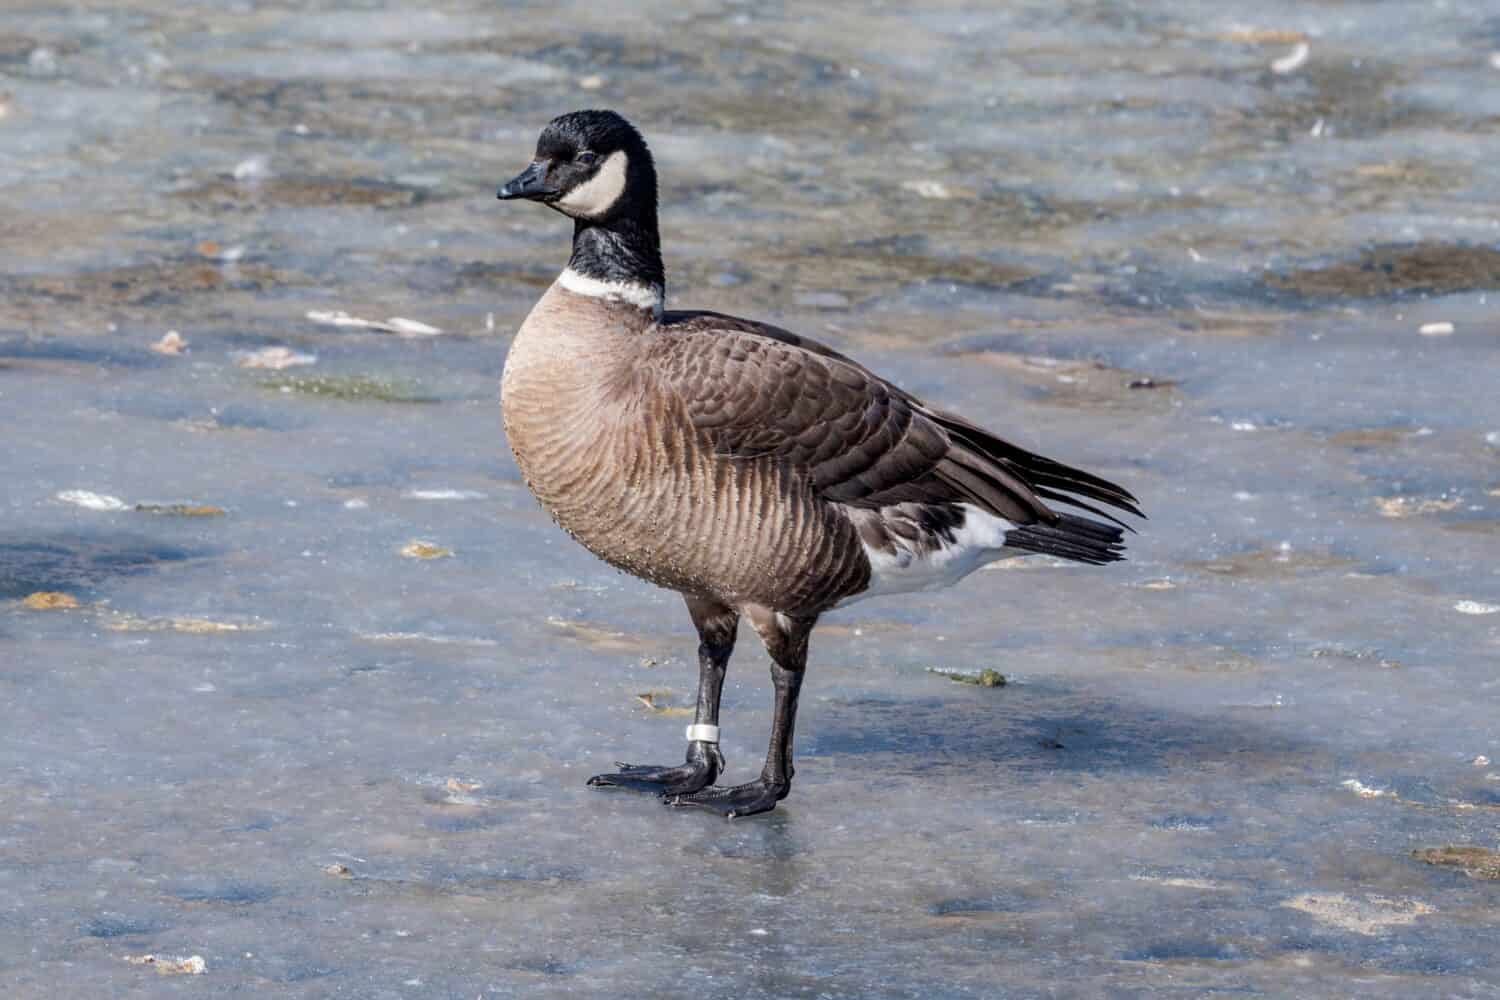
[(1048, 727)]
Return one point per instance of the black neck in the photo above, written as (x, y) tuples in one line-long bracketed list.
[(624, 248)]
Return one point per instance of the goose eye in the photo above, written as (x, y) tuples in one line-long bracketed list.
[(585, 158)]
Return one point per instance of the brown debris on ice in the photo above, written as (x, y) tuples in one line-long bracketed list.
[(1413, 506), (49, 600), (1473, 861), (418, 549), (180, 509), (124, 621), (193, 965), (653, 700), (987, 678), (602, 639), (1263, 36), (458, 792)]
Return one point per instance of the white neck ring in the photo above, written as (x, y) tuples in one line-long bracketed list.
[(647, 297)]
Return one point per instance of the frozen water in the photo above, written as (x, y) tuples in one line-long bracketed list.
[(1112, 232)]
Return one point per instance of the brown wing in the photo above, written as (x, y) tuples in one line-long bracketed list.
[(757, 390)]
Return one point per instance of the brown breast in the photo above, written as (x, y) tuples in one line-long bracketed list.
[(618, 464)]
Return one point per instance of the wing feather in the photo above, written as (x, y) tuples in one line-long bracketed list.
[(755, 390)]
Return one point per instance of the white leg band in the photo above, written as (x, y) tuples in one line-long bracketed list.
[(700, 733)]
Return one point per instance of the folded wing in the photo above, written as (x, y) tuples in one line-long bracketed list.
[(755, 390)]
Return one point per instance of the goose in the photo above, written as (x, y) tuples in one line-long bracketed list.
[(758, 473)]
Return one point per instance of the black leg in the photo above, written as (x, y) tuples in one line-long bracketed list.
[(717, 626), (786, 641)]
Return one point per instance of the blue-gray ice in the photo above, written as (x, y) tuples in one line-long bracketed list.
[(1160, 241)]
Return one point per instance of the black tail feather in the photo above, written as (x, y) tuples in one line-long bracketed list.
[(1048, 479), (1072, 537), (1072, 501)]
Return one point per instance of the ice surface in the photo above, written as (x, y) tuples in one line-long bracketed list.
[(268, 739)]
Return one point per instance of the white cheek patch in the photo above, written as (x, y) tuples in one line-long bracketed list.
[(597, 195)]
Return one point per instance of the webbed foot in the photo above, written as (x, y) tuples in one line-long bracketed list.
[(704, 763), (735, 800)]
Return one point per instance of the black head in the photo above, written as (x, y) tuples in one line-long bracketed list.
[(591, 165)]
